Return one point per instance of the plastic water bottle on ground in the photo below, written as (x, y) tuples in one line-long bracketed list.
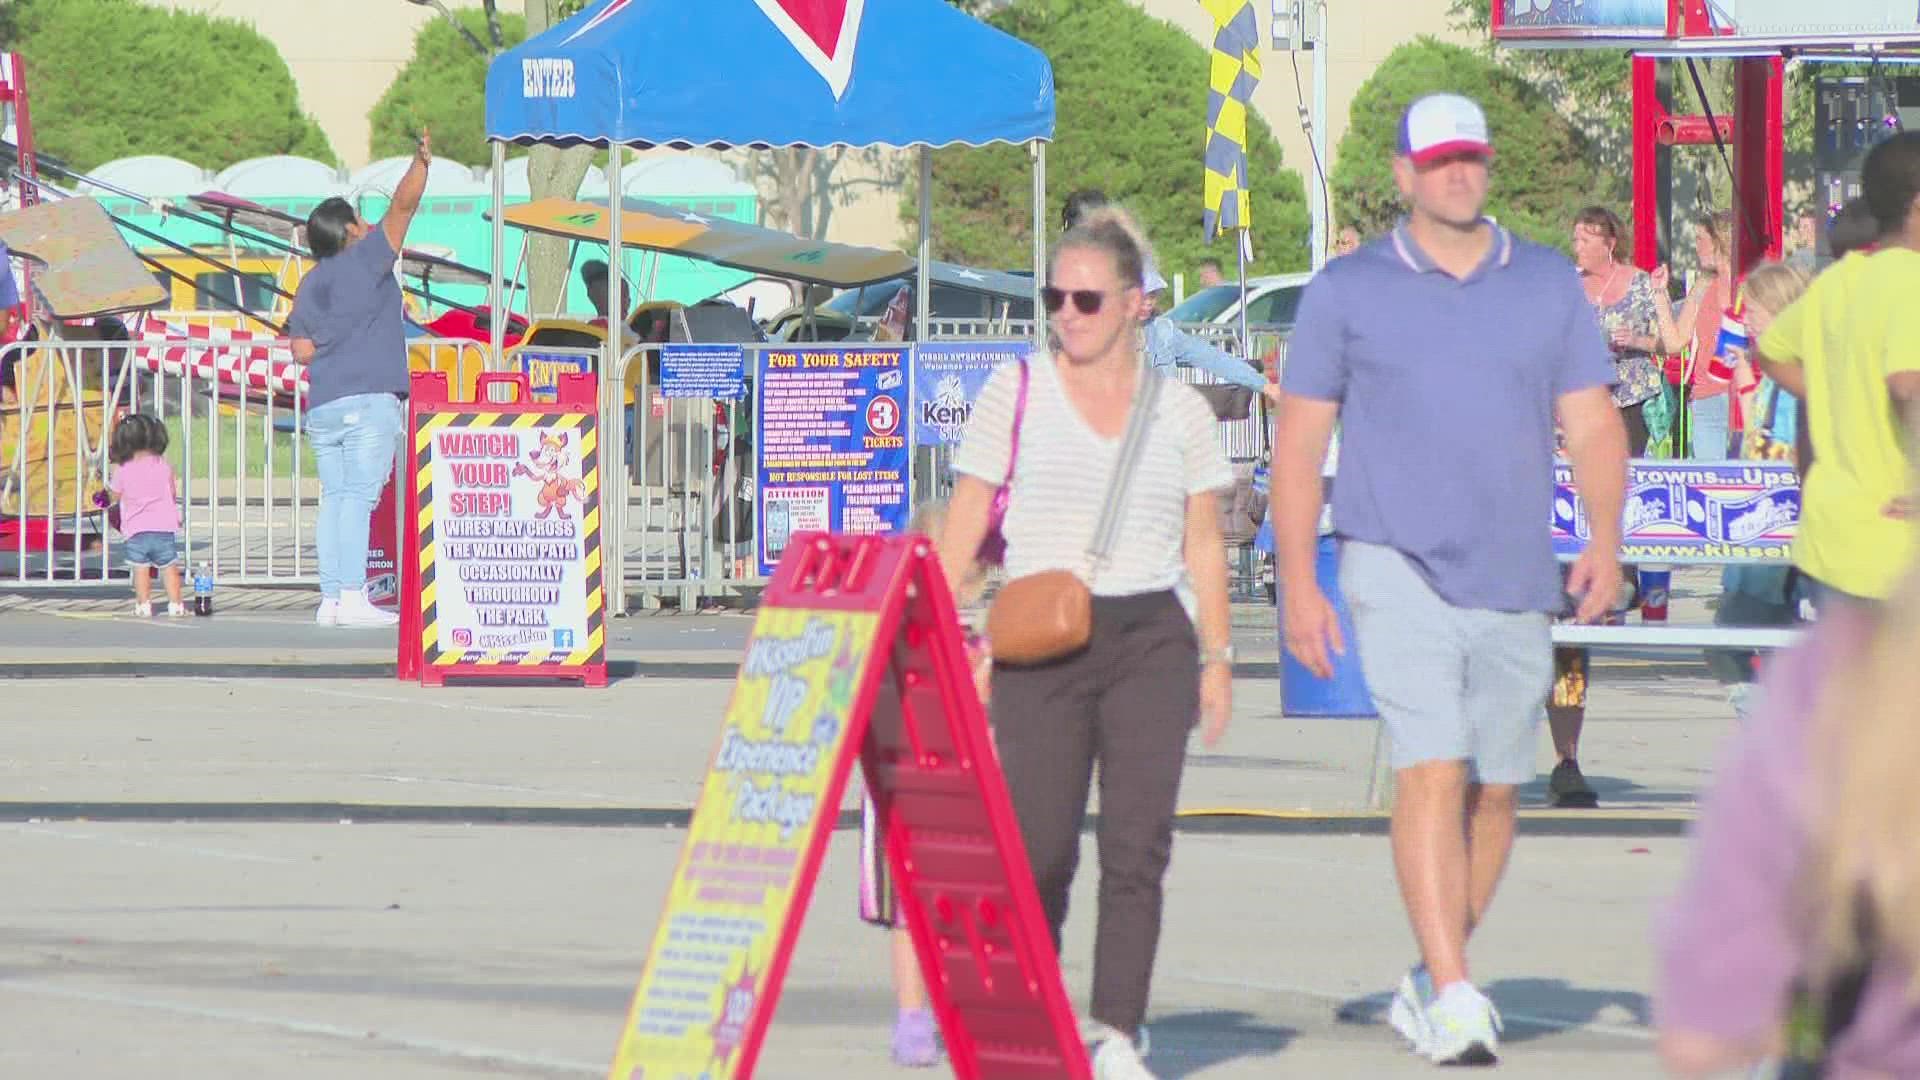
[(203, 590)]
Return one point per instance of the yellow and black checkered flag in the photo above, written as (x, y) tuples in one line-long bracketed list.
[(1236, 72)]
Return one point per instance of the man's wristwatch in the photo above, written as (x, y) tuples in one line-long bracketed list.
[(1222, 655)]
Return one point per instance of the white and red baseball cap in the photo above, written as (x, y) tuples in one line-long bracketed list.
[(1441, 124)]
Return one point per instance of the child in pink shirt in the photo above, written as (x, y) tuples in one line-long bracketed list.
[(142, 482)]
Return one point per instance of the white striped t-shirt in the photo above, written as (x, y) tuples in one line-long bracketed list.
[(1061, 477)]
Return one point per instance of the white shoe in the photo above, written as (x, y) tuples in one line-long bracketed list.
[(328, 613), (176, 611), (1115, 1057), (142, 611), (1408, 1013), (1462, 1028), (356, 611)]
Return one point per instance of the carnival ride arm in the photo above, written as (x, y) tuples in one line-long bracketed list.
[(406, 196)]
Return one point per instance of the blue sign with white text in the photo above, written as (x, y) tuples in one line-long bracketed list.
[(832, 443), (703, 371), (543, 369), (1686, 511), (947, 379)]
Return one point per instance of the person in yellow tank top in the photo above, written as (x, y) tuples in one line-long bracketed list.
[(1850, 349)]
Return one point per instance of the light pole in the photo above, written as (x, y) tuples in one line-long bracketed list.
[(1297, 25)]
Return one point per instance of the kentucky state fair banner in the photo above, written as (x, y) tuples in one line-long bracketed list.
[(762, 803), (1684, 511), (947, 379), (833, 454)]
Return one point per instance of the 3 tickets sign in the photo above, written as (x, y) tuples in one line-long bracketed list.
[(504, 574), (833, 453)]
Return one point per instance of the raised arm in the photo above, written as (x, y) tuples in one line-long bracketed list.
[(1668, 335), (406, 197)]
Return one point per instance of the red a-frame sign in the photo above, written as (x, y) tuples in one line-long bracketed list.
[(856, 650)]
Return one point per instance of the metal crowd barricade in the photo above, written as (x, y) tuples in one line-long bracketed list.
[(234, 407), (679, 495), (971, 329), (678, 483)]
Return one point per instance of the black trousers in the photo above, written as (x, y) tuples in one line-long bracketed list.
[(1127, 702)]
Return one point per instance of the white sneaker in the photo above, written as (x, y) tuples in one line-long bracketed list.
[(1115, 1057), (176, 611), (1462, 1028), (354, 610), (142, 611), (1408, 1013), (328, 613)]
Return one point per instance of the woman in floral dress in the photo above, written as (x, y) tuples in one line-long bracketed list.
[(1637, 315)]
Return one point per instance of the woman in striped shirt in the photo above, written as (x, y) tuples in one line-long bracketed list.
[(1128, 700)]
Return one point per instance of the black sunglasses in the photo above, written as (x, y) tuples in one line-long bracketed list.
[(1087, 300)]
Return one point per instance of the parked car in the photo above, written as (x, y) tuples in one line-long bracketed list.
[(1272, 302), (958, 293)]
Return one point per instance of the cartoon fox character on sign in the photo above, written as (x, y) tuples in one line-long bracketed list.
[(555, 489)]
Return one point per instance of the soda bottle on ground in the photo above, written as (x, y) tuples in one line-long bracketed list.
[(203, 590)]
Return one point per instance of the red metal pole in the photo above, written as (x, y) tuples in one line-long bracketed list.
[(1692, 130), (1647, 115), (1689, 18), (1759, 159), (13, 91)]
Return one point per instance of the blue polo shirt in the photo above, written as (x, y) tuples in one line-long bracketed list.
[(1447, 389)]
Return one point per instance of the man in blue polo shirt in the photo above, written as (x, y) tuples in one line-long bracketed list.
[(1446, 351)]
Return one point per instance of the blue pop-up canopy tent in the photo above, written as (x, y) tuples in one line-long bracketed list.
[(773, 73)]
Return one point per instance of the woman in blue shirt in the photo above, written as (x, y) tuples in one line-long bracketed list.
[(348, 327)]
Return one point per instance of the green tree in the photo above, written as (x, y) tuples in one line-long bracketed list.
[(443, 88), (554, 172), (1131, 94), (116, 78), (1544, 172)]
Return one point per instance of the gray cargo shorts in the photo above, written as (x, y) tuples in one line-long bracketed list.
[(1451, 683)]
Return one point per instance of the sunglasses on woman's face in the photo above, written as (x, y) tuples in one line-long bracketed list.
[(1087, 301)]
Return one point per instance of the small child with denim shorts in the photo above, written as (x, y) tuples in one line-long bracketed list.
[(143, 484)]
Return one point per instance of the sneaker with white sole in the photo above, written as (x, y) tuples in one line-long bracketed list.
[(328, 614), (1115, 1057), (1408, 1013), (356, 611), (176, 611), (1462, 1027), (142, 611)]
